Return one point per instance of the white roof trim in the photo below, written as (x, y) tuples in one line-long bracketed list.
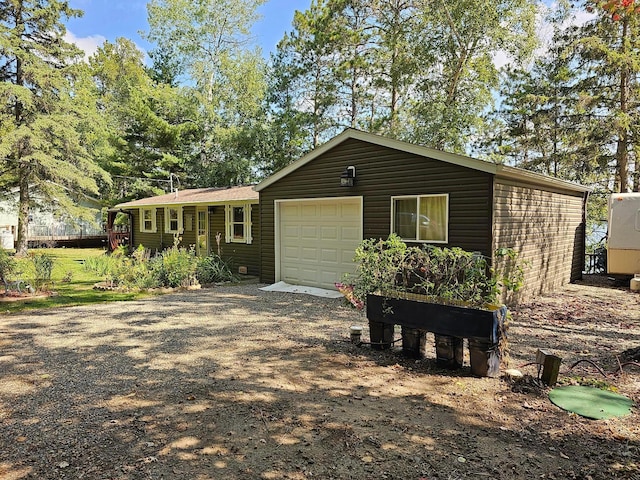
[(452, 158)]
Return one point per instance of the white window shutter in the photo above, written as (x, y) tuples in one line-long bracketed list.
[(247, 223), (228, 212)]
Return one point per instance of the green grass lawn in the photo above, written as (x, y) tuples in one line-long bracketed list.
[(71, 282)]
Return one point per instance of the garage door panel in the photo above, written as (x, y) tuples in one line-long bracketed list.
[(329, 233), (290, 210), (291, 253), (329, 278), (346, 256), (350, 210), (309, 232), (308, 275), (290, 272), (291, 231), (309, 211), (330, 210), (318, 240), (329, 255), (351, 233), (310, 254)]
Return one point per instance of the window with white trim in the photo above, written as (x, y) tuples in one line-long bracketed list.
[(173, 220), (238, 223), (422, 218), (148, 220)]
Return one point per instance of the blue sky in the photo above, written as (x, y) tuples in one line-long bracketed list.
[(109, 19)]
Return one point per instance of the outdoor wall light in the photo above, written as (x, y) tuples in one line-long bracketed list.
[(348, 177)]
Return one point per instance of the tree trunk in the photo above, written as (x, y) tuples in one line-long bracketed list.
[(23, 167), (622, 147), (23, 212)]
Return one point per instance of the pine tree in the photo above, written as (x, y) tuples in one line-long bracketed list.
[(41, 146)]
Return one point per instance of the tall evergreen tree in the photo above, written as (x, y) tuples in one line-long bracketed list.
[(42, 151), (151, 126), (576, 113), (609, 47)]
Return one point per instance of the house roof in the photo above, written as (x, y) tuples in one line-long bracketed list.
[(194, 196), (501, 171)]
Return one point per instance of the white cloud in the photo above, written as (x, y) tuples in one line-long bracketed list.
[(88, 45)]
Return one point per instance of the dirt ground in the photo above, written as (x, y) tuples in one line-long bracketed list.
[(236, 383)]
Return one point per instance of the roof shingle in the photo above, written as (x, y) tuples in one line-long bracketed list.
[(194, 196)]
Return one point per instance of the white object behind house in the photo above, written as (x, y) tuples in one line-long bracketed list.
[(6, 240), (623, 249)]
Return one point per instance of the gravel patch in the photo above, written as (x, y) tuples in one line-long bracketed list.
[(233, 382)]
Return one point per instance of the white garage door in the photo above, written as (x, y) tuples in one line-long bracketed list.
[(317, 240)]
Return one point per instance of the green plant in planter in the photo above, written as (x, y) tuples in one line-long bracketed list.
[(445, 275), (448, 291), (377, 267), (212, 269)]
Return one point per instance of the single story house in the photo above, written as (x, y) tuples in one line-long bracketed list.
[(224, 220), (315, 211)]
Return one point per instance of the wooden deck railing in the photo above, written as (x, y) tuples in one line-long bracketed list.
[(117, 239)]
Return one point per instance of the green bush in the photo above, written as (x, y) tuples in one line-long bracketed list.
[(175, 267), (43, 267), (378, 262), (213, 269), (101, 265), (8, 265), (449, 274)]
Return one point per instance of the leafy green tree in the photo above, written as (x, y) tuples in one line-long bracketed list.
[(43, 151), (210, 39), (460, 43), (150, 125), (418, 70), (575, 113)]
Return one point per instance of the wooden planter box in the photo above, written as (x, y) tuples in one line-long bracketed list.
[(451, 323)]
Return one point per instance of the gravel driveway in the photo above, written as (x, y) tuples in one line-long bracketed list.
[(233, 382)]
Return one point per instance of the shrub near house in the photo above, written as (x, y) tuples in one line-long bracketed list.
[(449, 292)]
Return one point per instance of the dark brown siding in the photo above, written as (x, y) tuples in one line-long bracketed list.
[(159, 240), (380, 174), (188, 227), (237, 254), (152, 241), (547, 230)]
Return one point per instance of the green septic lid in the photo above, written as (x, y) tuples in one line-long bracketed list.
[(591, 402)]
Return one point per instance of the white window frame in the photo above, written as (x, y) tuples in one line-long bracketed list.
[(143, 228), (246, 222), (417, 198), (167, 220)]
